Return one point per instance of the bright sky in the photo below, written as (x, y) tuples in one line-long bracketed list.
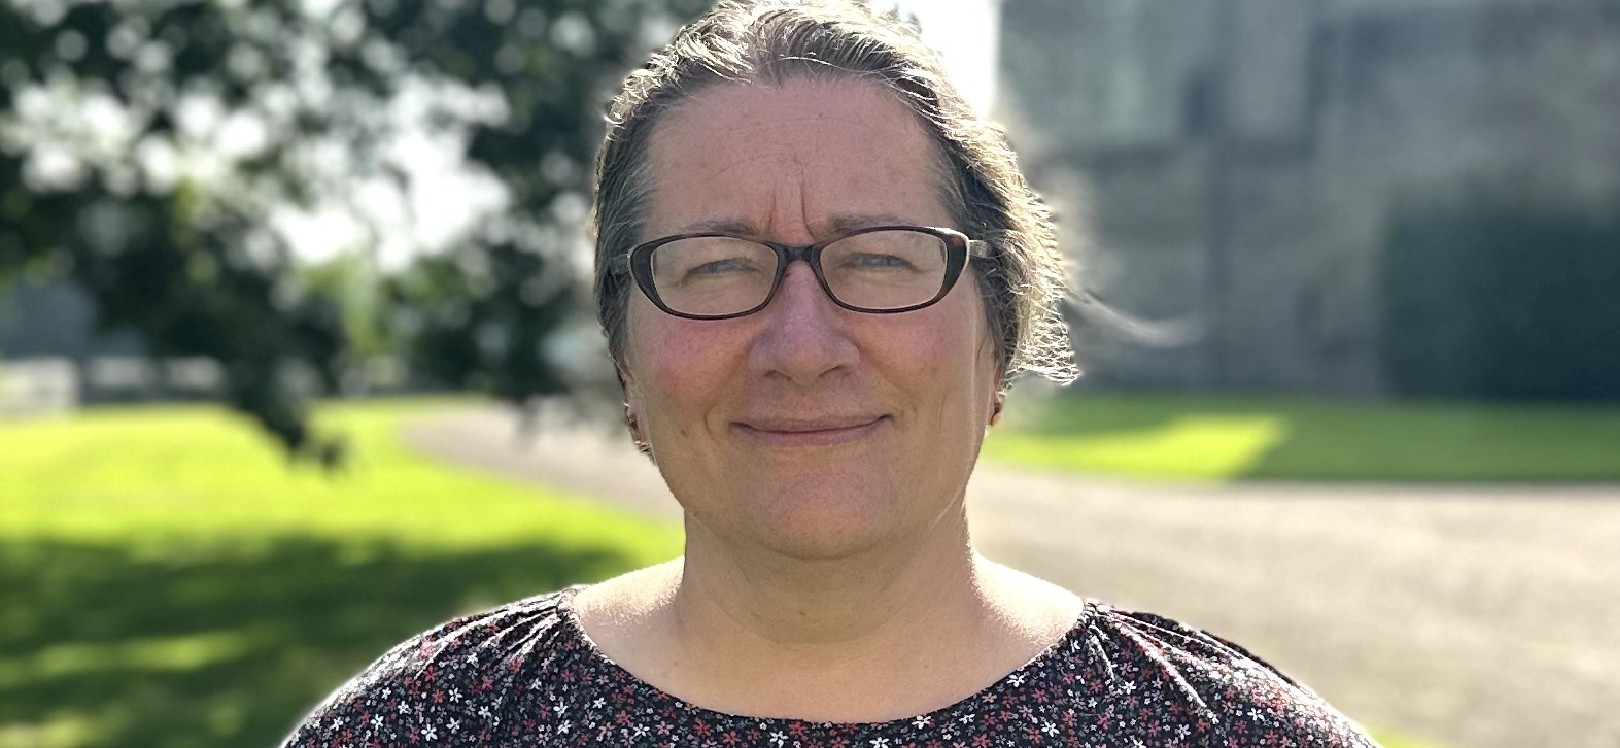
[(447, 199), (964, 32)]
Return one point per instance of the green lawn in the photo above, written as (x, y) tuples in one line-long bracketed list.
[(1222, 438), (1392, 740), (169, 581)]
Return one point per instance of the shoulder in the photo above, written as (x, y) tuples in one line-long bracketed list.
[(449, 684), (1155, 673)]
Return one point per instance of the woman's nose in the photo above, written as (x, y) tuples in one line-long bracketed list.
[(803, 336)]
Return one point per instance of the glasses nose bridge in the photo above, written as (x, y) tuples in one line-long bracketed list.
[(791, 253), (810, 254)]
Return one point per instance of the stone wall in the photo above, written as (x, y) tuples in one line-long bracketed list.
[(1241, 158), (35, 387)]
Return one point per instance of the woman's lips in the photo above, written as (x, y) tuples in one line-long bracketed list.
[(793, 432)]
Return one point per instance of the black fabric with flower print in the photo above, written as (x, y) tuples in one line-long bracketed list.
[(524, 675)]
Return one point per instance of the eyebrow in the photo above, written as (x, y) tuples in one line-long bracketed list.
[(841, 223), (846, 222), (719, 226)]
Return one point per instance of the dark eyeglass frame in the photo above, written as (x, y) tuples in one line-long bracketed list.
[(959, 249)]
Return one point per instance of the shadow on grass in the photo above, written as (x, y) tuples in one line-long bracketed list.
[(230, 643)]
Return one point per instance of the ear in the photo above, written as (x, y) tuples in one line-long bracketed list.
[(632, 408), (996, 405)]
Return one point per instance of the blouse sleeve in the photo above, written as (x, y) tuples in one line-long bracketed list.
[(447, 686)]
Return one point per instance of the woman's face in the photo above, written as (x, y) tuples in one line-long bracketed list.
[(806, 428)]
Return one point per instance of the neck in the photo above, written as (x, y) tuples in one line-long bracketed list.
[(820, 612)]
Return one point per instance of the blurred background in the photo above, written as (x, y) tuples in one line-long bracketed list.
[(297, 355)]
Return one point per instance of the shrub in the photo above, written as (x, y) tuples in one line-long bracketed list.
[(1502, 299)]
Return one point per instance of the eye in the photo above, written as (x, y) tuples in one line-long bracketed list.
[(722, 267), (877, 260)]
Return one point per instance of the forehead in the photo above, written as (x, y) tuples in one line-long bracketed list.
[(787, 160)]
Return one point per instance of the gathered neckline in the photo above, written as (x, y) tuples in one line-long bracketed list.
[(1071, 641)]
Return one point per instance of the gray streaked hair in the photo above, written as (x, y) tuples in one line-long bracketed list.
[(773, 41)]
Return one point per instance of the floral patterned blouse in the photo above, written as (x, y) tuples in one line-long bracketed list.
[(525, 675)]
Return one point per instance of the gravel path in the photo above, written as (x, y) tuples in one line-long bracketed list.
[(1481, 617)]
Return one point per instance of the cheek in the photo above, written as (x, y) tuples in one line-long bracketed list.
[(674, 364), (944, 356)]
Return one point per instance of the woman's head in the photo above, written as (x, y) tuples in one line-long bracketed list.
[(805, 421), (769, 43)]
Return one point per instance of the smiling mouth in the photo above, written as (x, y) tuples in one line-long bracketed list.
[(793, 433)]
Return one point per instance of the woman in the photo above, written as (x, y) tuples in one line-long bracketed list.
[(817, 272)]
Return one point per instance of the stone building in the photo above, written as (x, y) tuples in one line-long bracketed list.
[(1241, 159)]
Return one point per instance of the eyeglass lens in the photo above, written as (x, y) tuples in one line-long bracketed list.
[(877, 270)]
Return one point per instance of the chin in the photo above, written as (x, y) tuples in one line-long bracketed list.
[(820, 544), (826, 519)]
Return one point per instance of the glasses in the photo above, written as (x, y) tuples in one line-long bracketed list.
[(880, 270)]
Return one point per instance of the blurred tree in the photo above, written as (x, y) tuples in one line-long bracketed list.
[(147, 145)]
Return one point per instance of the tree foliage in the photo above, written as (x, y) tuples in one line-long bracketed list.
[(147, 145)]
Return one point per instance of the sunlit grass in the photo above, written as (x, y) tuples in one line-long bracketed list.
[(1223, 438), (204, 475), (1393, 740), (170, 580)]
